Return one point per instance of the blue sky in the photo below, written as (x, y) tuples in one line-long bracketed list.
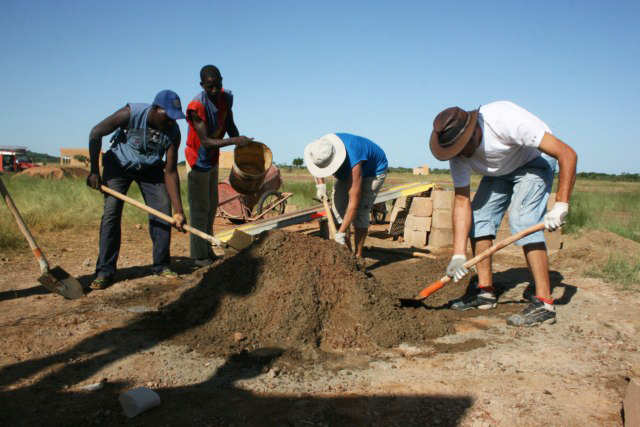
[(301, 69)]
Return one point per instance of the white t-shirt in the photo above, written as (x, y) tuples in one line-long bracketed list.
[(510, 138)]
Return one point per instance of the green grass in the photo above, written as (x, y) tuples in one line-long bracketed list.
[(53, 205), (618, 212), (620, 269)]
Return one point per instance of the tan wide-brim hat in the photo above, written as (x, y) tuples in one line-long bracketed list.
[(452, 129), (325, 155)]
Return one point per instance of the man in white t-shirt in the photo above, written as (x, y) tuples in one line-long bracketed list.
[(516, 154)]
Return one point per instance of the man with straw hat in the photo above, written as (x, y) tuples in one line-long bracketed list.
[(517, 155), (360, 167)]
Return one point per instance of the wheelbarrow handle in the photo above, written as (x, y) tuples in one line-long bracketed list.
[(44, 265), (160, 215)]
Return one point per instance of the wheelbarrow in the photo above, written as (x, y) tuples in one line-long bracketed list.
[(266, 202)]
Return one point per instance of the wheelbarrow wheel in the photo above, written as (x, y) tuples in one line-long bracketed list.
[(378, 213), (268, 199)]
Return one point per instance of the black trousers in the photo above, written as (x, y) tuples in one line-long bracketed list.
[(154, 192)]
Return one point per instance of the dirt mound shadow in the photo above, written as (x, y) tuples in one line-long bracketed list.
[(56, 172), (302, 293)]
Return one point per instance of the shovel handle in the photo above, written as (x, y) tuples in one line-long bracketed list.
[(44, 265), (159, 214), (502, 243), (482, 255), (332, 224)]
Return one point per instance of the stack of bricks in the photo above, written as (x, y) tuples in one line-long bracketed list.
[(417, 224), (441, 224)]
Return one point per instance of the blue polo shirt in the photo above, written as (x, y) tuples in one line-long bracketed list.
[(361, 150)]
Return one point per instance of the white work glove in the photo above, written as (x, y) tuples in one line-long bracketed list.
[(321, 191), (456, 269), (556, 216), (340, 238)]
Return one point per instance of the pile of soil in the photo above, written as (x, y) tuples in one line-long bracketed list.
[(302, 292), (56, 172), (591, 249)]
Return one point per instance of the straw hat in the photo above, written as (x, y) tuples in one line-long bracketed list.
[(324, 156)]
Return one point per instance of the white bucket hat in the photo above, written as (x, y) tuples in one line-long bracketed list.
[(324, 156)]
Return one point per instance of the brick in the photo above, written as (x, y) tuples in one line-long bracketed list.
[(415, 238), (396, 215), (418, 223), (440, 238), (421, 206), (442, 219), (400, 202), (632, 403), (442, 199), (502, 234), (553, 240)]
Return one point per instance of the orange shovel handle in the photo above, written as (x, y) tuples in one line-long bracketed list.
[(433, 287)]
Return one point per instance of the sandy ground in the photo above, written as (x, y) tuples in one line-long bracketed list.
[(571, 373)]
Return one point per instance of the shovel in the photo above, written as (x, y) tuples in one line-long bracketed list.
[(433, 287), (238, 245), (56, 280), (332, 224)]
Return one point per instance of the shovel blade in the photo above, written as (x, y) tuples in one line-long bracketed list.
[(60, 282)]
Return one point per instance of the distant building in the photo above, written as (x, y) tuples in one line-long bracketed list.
[(226, 160), (73, 156), (422, 170)]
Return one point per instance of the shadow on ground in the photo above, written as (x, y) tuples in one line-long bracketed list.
[(37, 392)]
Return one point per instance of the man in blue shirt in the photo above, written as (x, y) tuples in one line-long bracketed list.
[(360, 167)]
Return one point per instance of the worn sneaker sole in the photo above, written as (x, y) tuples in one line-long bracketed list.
[(480, 307), (550, 321)]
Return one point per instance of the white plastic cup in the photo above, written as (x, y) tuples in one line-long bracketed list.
[(137, 400)]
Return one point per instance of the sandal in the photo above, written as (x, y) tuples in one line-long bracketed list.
[(101, 283)]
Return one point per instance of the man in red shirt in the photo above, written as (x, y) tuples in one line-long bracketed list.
[(210, 117)]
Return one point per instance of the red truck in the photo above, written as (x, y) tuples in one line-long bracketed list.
[(14, 159)]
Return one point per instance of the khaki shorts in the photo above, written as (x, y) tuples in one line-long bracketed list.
[(370, 188)]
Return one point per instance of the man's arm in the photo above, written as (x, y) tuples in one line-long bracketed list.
[(461, 218), (172, 181), (567, 161), (201, 130), (118, 119), (355, 194), (232, 129)]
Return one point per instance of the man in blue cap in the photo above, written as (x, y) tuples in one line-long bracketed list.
[(144, 133)]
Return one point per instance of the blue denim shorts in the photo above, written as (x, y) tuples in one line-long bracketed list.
[(526, 190)]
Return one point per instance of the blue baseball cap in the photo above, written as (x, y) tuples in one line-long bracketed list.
[(170, 101)]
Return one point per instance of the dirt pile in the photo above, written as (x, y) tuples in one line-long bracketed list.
[(300, 292), (593, 249), (56, 172)]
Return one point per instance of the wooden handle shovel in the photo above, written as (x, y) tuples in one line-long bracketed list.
[(160, 215), (332, 224), (433, 287), (54, 279)]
